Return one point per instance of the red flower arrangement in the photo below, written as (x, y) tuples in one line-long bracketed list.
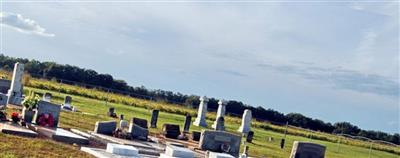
[(15, 117)]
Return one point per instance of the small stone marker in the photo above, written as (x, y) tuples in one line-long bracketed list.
[(154, 118), (122, 150), (171, 131), (307, 150), (196, 135), (123, 124), (111, 112), (201, 114), (16, 90), (67, 103), (249, 137), (47, 97), (51, 110), (246, 122), (220, 112), (172, 151), (105, 127), (138, 129), (188, 121), (219, 126), (220, 141)]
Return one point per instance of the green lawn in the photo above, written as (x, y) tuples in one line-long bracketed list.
[(96, 110)]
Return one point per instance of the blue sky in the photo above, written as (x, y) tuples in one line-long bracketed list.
[(336, 61)]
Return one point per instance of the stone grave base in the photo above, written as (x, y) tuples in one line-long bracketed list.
[(102, 153), (145, 148), (60, 135), (12, 129)]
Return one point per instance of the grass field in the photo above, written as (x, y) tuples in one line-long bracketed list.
[(95, 110)]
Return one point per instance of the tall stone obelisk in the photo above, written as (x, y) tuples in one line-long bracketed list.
[(201, 114), (15, 92)]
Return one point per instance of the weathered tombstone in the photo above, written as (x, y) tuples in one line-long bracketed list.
[(15, 92), (307, 150), (111, 112), (47, 114), (220, 141), (196, 135), (220, 112), (138, 129), (171, 131), (123, 124), (105, 127), (249, 137), (201, 114), (67, 103), (47, 97), (154, 118), (246, 122), (219, 126), (172, 151), (188, 121), (3, 99), (4, 86)]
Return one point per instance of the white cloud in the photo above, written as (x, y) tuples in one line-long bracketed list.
[(22, 24)]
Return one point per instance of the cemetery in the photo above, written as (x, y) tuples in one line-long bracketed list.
[(89, 128)]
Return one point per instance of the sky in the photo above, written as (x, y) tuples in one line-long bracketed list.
[(331, 60)]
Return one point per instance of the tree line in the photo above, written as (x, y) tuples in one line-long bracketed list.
[(51, 70)]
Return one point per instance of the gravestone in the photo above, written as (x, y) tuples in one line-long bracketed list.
[(105, 127), (4, 86), (111, 112), (138, 129), (196, 135), (46, 108), (201, 114), (47, 97), (15, 129), (307, 150), (188, 121), (172, 151), (219, 126), (67, 102), (246, 122), (15, 92), (220, 111), (249, 137), (171, 131), (3, 99), (220, 141), (123, 124), (154, 117)]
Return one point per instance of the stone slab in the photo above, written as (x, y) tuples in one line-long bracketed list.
[(219, 155), (123, 150), (17, 130), (65, 136), (102, 153), (148, 148), (49, 108), (175, 151)]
